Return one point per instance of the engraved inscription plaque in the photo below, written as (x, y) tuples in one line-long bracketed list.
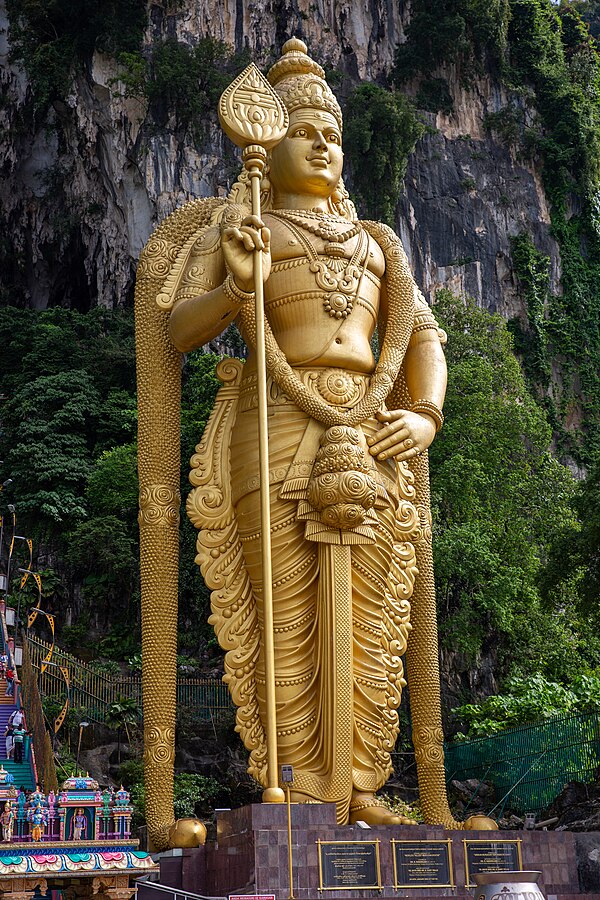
[(419, 864), (491, 856), (347, 865)]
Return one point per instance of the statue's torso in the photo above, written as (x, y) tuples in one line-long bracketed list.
[(307, 288)]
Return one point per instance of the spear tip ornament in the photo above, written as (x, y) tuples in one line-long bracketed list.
[(250, 112)]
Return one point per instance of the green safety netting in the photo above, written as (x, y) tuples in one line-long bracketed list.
[(528, 766)]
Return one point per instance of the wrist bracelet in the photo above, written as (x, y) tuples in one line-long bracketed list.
[(235, 293), (429, 409)]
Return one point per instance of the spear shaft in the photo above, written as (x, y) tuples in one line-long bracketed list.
[(254, 158), (253, 116)]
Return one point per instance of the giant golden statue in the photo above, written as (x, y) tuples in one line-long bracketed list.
[(347, 471)]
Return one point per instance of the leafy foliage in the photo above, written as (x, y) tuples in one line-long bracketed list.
[(381, 130), (530, 699), (51, 38), (499, 498), (451, 31), (192, 794), (68, 417), (573, 567), (180, 80)]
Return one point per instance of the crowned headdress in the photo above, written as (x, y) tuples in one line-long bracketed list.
[(300, 81)]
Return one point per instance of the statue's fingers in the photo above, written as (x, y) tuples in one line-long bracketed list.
[(231, 234), (253, 222), (266, 236), (392, 441), (247, 241), (405, 455), (256, 241), (389, 434), (389, 415)]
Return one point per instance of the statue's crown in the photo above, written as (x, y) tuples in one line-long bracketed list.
[(300, 81)]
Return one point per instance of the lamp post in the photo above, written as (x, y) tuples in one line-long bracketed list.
[(82, 725)]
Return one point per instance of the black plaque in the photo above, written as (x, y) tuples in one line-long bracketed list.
[(348, 865), (491, 856), (422, 864)]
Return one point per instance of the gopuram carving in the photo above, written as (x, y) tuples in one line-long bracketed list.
[(317, 552)]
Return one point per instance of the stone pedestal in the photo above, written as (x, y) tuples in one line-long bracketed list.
[(250, 856)]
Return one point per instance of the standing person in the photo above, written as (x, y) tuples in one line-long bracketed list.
[(19, 738), (16, 718), (343, 428), (10, 682), (8, 733)]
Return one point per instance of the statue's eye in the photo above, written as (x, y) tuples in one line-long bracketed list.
[(334, 138), (301, 132)]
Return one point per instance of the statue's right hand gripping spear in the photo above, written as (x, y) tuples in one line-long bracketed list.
[(253, 116)]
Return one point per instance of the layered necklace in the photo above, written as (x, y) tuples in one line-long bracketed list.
[(338, 277)]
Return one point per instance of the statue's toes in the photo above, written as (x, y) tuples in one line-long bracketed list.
[(375, 814)]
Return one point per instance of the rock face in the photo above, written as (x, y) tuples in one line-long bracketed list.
[(84, 186)]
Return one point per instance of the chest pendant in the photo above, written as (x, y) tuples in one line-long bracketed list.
[(338, 277)]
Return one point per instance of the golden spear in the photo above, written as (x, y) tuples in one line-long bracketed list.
[(253, 116)]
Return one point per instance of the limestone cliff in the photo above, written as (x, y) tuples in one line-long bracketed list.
[(84, 183)]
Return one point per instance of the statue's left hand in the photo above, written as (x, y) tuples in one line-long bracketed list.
[(404, 434)]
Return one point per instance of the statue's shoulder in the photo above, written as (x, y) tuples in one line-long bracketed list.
[(182, 252)]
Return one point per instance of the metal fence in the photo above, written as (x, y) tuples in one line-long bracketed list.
[(93, 692), (530, 765)]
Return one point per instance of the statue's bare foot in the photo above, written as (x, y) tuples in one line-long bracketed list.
[(480, 823), (368, 808)]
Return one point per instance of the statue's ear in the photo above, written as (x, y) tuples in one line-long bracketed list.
[(340, 203)]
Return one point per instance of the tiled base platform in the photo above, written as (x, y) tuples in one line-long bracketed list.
[(251, 856)]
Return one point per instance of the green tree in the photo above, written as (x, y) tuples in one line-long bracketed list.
[(529, 699), (498, 496), (48, 453), (573, 565), (121, 714), (381, 130)]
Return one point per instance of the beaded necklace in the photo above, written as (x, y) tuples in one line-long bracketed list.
[(326, 226), (338, 278)]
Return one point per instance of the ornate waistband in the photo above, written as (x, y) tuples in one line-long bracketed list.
[(337, 387)]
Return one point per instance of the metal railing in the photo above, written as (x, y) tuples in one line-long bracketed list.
[(93, 692), (148, 890), (529, 766)]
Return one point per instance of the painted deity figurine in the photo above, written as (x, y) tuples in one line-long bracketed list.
[(349, 492), (78, 825), (7, 820), (38, 820)]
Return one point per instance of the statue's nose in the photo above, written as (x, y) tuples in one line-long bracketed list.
[(319, 140)]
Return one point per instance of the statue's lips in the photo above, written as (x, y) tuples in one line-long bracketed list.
[(321, 162)]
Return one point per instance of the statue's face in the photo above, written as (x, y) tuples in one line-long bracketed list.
[(309, 159)]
